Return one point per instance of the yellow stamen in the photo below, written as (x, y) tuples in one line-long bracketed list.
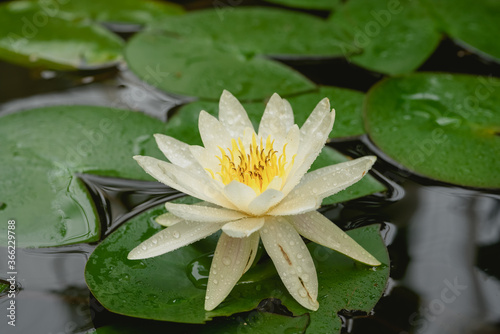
[(257, 168)]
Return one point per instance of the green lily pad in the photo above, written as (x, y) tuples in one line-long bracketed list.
[(3, 288), (474, 24), (442, 126), (117, 11), (309, 4), (258, 30), (33, 35), (396, 37), (192, 67), (169, 287), (252, 322), (43, 150)]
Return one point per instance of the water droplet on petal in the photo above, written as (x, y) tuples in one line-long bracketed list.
[(176, 234), (226, 261), (143, 247), (302, 292), (292, 243)]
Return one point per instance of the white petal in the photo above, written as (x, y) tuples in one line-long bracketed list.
[(266, 200), (171, 238), (311, 143), (168, 219), (316, 227), (232, 257), (200, 213), (176, 151), (243, 228), (321, 183), (317, 116), (276, 119), (212, 132), (292, 261), (232, 115), (286, 207), (201, 186), (288, 119), (239, 194)]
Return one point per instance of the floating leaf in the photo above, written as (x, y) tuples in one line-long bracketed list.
[(443, 126), (258, 30), (254, 322), (475, 24), (395, 36), (33, 35), (186, 66), (43, 150), (4, 287), (172, 289), (309, 4), (117, 11)]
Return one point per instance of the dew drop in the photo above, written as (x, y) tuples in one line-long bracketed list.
[(154, 241), (143, 247), (291, 243), (226, 261), (216, 281), (299, 256), (176, 234), (302, 292), (305, 277)]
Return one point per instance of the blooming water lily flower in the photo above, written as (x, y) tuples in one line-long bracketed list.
[(254, 186)]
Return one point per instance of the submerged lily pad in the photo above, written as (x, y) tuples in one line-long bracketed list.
[(347, 103), (443, 126), (43, 150), (118, 11), (474, 24), (166, 288), (33, 35), (395, 36), (257, 30), (197, 67)]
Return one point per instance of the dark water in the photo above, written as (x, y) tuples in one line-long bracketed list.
[(444, 241)]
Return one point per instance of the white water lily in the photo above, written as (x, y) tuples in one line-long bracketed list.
[(254, 186)]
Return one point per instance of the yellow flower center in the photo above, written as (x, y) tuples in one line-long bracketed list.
[(256, 168)]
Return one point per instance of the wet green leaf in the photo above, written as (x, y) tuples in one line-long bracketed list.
[(116, 11), (168, 288), (258, 30), (395, 36), (443, 126), (258, 322), (187, 66), (43, 150), (474, 24), (309, 4), (34, 36), (251, 322)]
